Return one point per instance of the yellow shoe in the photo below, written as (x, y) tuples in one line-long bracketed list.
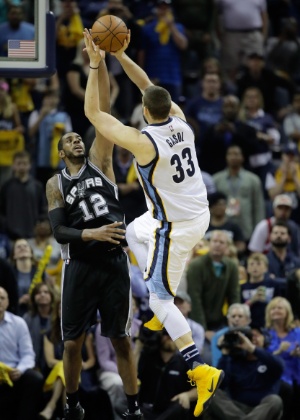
[(154, 324), (207, 379)]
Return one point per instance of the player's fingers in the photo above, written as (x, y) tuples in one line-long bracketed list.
[(113, 241)]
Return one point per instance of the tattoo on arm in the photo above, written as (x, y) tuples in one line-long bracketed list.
[(53, 194)]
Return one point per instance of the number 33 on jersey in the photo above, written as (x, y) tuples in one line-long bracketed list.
[(172, 181)]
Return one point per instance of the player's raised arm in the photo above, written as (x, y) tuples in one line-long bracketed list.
[(102, 149), (138, 76), (135, 73), (112, 129)]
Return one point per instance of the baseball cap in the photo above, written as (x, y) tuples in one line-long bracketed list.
[(282, 200), (290, 149), (183, 296)]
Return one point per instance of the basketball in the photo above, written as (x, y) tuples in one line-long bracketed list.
[(109, 33)]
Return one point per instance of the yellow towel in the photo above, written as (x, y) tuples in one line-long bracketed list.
[(56, 372), (4, 376), (11, 142), (58, 131), (164, 32)]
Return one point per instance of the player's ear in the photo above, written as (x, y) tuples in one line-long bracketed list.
[(61, 154)]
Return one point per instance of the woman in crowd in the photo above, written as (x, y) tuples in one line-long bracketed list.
[(38, 320), (11, 130), (25, 269), (285, 342)]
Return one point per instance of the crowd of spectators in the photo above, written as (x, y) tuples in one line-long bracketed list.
[(234, 68)]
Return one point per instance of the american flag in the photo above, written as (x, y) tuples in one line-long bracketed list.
[(22, 49)]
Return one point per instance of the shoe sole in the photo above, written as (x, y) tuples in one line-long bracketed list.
[(207, 402)]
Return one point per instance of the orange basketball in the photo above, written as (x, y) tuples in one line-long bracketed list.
[(109, 33)]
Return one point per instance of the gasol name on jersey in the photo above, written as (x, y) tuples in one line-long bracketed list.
[(174, 139), (79, 190)]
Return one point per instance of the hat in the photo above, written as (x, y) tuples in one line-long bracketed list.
[(282, 200), (290, 149), (4, 86), (183, 296), (255, 54)]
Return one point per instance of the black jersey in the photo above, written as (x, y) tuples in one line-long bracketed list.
[(91, 201)]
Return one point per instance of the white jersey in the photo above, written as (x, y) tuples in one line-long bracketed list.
[(172, 182)]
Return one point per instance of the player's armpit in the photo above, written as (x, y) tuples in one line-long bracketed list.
[(54, 197)]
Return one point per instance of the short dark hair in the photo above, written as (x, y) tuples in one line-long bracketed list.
[(281, 223), (22, 154), (213, 198), (158, 101)]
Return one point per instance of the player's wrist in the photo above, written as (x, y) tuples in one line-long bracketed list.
[(87, 235), (94, 66)]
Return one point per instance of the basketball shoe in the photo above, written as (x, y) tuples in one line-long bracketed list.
[(129, 416), (73, 413), (207, 379), (154, 324)]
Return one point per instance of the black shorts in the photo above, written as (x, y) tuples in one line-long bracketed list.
[(105, 286)]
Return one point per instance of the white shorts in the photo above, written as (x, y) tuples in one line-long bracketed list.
[(169, 246)]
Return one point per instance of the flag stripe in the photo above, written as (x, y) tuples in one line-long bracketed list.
[(22, 49)]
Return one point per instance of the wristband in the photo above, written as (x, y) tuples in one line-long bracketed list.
[(94, 68)]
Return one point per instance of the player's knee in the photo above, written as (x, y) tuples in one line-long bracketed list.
[(122, 346), (72, 348)]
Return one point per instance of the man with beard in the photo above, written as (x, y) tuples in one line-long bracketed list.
[(282, 261), (87, 220)]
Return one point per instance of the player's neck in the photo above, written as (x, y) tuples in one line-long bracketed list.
[(74, 168)]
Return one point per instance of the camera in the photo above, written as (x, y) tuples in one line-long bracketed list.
[(232, 339)]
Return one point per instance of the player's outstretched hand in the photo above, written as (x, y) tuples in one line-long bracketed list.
[(92, 49), (110, 233), (118, 54)]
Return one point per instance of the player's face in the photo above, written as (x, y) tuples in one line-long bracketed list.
[(73, 147)]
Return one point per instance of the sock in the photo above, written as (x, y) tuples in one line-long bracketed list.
[(133, 404), (73, 399), (191, 355)]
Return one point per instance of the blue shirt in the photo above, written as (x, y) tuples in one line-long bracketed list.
[(291, 363), (162, 62), (249, 381), (282, 268), (248, 290), (16, 348), (206, 113), (24, 32)]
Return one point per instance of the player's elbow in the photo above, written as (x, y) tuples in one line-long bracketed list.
[(58, 235)]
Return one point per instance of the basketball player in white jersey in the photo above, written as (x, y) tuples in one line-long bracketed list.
[(176, 198)]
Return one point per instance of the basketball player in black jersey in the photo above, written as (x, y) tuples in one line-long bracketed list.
[(87, 220)]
